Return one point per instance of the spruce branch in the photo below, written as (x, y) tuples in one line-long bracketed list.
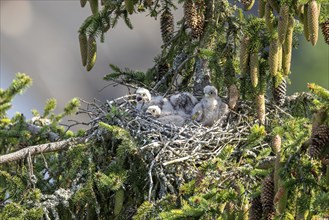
[(174, 73)]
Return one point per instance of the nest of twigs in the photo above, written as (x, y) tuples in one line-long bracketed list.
[(173, 154)]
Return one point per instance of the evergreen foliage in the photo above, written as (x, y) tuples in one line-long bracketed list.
[(103, 173)]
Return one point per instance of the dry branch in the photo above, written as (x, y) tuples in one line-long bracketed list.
[(38, 149)]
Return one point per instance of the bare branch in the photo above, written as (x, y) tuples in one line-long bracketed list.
[(39, 149)]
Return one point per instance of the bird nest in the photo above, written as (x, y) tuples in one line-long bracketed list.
[(173, 154)]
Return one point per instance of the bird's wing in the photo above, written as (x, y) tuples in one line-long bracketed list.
[(223, 109), (172, 119), (197, 112), (167, 108)]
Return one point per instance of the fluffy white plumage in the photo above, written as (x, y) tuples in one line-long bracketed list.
[(183, 103), (144, 100), (174, 119), (143, 97), (210, 108)]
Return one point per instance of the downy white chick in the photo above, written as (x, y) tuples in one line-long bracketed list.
[(156, 112), (210, 108), (144, 100), (183, 103), (143, 97)]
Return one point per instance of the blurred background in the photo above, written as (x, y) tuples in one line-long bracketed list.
[(40, 39)]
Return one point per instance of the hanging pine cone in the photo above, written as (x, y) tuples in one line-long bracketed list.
[(279, 92), (276, 143), (83, 3), (273, 58), (325, 30), (244, 54), (269, 17), (83, 48), (162, 69), (261, 8), (193, 17), (93, 6), (319, 140), (233, 94), (167, 26), (260, 101), (256, 210), (305, 23), (91, 55), (287, 47), (254, 68), (283, 22), (313, 21), (247, 4), (274, 4), (267, 197), (190, 13), (280, 58)]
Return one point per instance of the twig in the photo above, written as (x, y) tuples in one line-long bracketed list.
[(176, 160)]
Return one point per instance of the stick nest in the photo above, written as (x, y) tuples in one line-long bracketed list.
[(173, 154)]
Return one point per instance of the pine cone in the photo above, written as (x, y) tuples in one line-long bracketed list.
[(280, 58), (83, 48), (244, 54), (287, 47), (274, 57), (91, 55), (254, 66), (256, 210), (305, 23), (162, 69), (247, 4), (280, 93), (267, 197), (261, 8), (167, 26), (283, 22), (276, 143), (233, 95), (269, 17), (313, 21), (325, 30), (83, 3), (319, 140), (94, 6), (194, 18), (274, 4), (260, 99)]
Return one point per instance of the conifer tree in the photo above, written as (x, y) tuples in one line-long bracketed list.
[(268, 159)]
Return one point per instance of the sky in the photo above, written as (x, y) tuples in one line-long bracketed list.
[(39, 37)]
